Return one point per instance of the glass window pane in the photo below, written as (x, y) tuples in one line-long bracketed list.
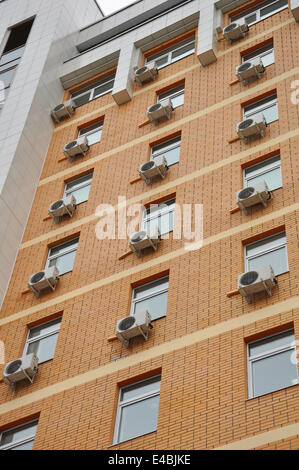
[(264, 165), (64, 247), (273, 179), (268, 58), (12, 55), (92, 127), (277, 259), (172, 156), (81, 194), (183, 52), (273, 7), (165, 146), (25, 446), (271, 113), (260, 105), (161, 62), (141, 388), (44, 329), (64, 263), (164, 222), (80, 100), (251, 19), (178, 100), (150, 288), (273, 373), (95, 137), (16, 434), (105, 88), (156, 306), (139, 418), (266, 244), (44, 348), (267, 344), (6, 78), (78, 182)]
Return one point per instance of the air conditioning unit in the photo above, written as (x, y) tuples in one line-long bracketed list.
[(44, 279), (160, 111), (250, 69), (24, 368), (141, 240), (130, 327), (76, 147), (257, 281), (66, 205), (252, 127), (147, 73), (257, 194), (235, 31), (63, 111), (156, 167)]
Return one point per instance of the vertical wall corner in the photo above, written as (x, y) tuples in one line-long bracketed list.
[(209, 19), (129, 58), (294, 6)]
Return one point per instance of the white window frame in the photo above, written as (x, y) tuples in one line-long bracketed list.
[(260, 108), (176, 144), (93, 131), (264, 51), (80, 185), (139, 398), (271, 352), (172, 49), (43, 336), (262, 251), (51, 258), (172, 93), (165, 209), (258, 13), (246, 180), (91, 90), (13, 444), (148, 296)]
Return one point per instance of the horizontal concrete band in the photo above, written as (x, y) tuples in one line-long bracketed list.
[(154, 352), (175, 76), (173, 125), (263, 439), (149, 264), (167, 186)]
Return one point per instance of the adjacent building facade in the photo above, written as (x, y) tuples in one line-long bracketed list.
[(215, 367)]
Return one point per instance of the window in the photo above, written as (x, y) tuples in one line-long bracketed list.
[(79, 188), (271, 250), (170, 149), (268, 106), (151, 297), (12, 54), (272, 364), (93, 91), (19, 438), (161, 215), (137, 411), (268, 170), (41, 340), (176, 95), (174, 53), (268, 8), (266, 53), (92, 132), (63, 256)]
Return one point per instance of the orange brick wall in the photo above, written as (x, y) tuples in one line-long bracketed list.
[(203, 401)]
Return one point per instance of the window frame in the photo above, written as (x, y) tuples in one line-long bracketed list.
[(92, 88), (11, 445), (148, 296), (264, 51), (158, 213), (176, 144), (269, 101), (171, 49), (257, 11), (267, 251), (265, 355), (173, 93), (50, 258), (122, 403), (246, 181), (40, 337), (93, 131), (81, 186)]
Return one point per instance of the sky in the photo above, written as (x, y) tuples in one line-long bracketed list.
[(109, 6)]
